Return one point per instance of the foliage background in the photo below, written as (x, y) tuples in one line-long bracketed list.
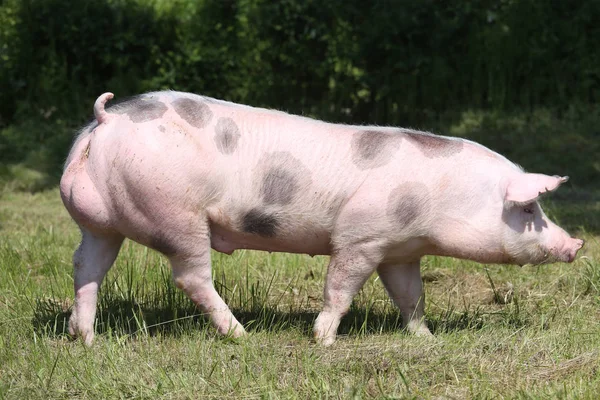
[(520, 76)]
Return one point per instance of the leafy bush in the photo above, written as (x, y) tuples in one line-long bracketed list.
[(389, 63)]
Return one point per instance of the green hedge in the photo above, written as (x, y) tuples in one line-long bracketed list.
[(409, 63)]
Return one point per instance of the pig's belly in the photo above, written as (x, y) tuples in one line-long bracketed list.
[(226, 240)]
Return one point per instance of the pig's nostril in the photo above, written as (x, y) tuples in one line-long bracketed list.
[(579, 243)]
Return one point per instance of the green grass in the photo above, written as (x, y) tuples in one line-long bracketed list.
[(500, 331)]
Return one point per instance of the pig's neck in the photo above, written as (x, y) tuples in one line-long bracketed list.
[(461, 239)]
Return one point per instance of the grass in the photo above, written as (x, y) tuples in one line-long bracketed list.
[(500, 331)]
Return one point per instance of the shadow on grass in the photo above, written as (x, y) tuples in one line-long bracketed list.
[(132, 319)]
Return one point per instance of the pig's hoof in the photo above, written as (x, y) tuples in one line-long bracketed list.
[(325, 341), (86, 335), (72, 330), (234, 332), (73, 324), (418, 329), (88, 338), (326, 327), (423, 333), (238, 332)]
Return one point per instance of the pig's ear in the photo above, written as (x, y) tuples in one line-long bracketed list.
[(526, 188)]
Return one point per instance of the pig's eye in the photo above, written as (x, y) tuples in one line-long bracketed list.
[(528, 210)]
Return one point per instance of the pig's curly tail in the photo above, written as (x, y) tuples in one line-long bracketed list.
[(99, 111)]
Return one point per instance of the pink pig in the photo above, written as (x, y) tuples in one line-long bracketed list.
[(183, 173)]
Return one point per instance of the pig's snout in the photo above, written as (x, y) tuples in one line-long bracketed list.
[(568, 251), (572, 247), (565, 252)]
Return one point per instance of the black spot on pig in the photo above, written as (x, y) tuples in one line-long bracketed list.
[(279, 187), (372, 149), (227, 135), (283, 177), (139, 108), (407, 202), (194, 112), (433, 146), (161, 128), (260, 223)]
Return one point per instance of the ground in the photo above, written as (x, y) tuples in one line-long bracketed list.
[(499, 331)]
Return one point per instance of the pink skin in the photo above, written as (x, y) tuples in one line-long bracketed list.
[(182, 178)]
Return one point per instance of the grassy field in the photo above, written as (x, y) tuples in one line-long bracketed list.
[(500, 331)]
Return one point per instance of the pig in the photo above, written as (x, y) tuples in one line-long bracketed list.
[(183, 173)]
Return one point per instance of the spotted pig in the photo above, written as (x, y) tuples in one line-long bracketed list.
[(183, 173)]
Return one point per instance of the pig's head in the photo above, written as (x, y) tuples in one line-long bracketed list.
[(529, 235)]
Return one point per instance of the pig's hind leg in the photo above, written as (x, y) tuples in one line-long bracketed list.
[(403, 284), (92, 260), (191, 267)]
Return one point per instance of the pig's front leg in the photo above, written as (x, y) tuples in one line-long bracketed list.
[(404, 285), (192, 274), (346, 274), (92, 260)]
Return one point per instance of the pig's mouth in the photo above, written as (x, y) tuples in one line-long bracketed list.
[(566, 254), (550, 256), (544, 255)]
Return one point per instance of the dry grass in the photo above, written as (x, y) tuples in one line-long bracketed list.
[(500, 331)]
